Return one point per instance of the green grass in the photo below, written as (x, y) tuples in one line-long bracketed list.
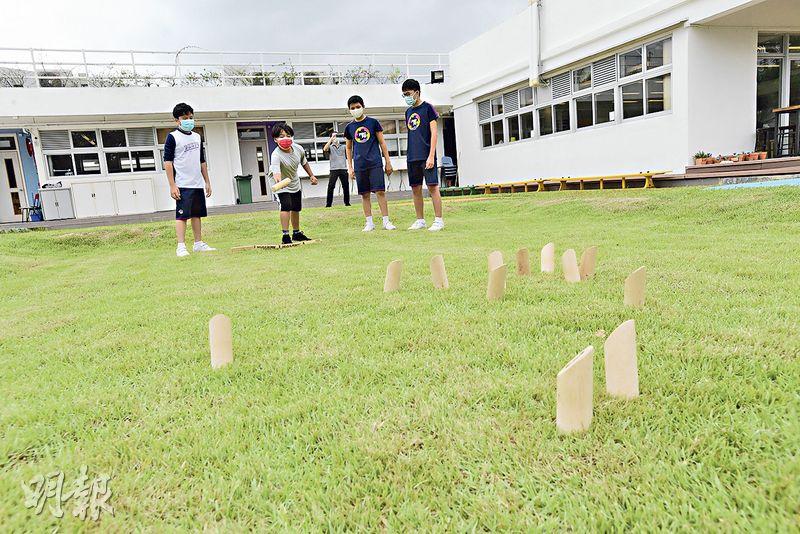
[(348, 409)]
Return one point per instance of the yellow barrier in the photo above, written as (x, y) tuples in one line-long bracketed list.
[(563, 181)]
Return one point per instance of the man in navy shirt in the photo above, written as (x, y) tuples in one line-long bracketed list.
[(365, 144), (421, 120)]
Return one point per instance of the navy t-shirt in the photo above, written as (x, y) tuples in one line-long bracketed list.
[(366, 148), (418, 121)]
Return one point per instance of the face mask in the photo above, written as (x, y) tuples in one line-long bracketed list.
[(187, 125), (410, 100), (357, 113), (285, 142)]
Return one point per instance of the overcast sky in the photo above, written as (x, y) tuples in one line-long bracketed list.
[(264, 25)]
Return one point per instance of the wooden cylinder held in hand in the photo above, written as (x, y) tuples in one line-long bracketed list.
[(393, 272), (220, 337), (280, 185), (439, 273)]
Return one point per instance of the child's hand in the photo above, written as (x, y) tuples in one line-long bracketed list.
[(208, 190), (174, 192), (389, 169), (429, 163), (314, 180), (352, 174)]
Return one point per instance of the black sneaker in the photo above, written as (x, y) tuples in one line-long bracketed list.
[(299, 236), (287, 239)]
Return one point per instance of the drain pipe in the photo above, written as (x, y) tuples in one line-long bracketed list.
[(536, 42)]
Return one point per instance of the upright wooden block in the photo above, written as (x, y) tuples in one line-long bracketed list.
[(574, 389), (622, 372), (393, 272), (548, 258), (523, 262), (569, 263), (220, 337), (497, 282), (439, 273), (495, 260), (588, 262), (634, 288)]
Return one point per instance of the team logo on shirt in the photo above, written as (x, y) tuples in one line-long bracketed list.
[(414, 121), (362, 134)]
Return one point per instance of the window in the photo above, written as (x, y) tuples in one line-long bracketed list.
[(513, 128), (583, 111), (768, 91), (497, 132), (85, 139), (323, 129), (113, 138), (794, 83), (582, 78), (777, 78), (630, 63), (486, 130), (526, 97), (659, 54), (117, 162), (313, 136), (659, 93), (7, 143), (12, 176), (632, 100), (546, 121), (604, 106), (497, 106), (61, 165), (87, 164), (526, 125), (561, 116), (251, 133), (770, 43), (389, 126)]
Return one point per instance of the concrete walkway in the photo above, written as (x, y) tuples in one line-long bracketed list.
[(313, 202)]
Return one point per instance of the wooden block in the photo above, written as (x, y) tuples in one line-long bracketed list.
[(588, 262), (574, 390), (393, 272), (280, 185), (569, 263), (220, 337), (548, 258), (622, 372), (523, 262), (497, 282), (634, 288), (495, 260), (439, 273)]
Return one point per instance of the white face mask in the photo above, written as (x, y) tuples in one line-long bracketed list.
[(357, 113)]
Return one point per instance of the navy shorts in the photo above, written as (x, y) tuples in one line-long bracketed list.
[(417, 171), (370, 180), (191, 204), (291, 201)]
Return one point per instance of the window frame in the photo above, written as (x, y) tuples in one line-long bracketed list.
[(507, 116), (786, 58)]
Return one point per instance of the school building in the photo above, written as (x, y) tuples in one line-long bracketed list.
[(564, 88)]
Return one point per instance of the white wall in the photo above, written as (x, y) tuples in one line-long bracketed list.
[(223, 159)]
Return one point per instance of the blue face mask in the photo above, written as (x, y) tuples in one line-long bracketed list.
[(187, 125), (410, 100)]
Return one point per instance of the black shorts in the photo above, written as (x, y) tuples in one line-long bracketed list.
[(370, 180), (417, 171), (191, 204), (291, 201)]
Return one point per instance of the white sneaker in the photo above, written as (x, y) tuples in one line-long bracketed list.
[(419, 224), (436, 226), (181, 251), (389, 226), (368, 227), (202, 246)]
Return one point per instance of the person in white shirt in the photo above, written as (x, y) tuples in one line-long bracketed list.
[(189, 185)]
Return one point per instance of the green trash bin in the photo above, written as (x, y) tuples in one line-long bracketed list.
[(243, 189)]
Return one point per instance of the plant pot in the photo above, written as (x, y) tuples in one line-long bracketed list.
[(711, 161), (762, 155), (700, 161)]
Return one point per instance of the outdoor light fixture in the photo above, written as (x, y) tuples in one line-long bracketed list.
[(437, 76)]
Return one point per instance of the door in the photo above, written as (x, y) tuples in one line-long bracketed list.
[(12, 192), (126, 199), (255, 162)]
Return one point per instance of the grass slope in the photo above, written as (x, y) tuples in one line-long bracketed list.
[(349, 409)]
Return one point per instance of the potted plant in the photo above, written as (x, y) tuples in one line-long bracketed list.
[(762, 154), (701, 158)]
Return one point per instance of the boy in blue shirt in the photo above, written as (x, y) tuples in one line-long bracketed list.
[(365, 144), (421, 120)]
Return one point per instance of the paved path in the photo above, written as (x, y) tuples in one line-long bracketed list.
[(313, 202)]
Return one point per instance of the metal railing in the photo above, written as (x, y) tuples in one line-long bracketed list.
[(36, 67)]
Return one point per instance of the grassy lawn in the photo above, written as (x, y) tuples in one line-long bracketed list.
[(348, 409)]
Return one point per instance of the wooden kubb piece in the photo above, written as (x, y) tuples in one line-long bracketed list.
[(393, 272), (622, 372), (523, 262), (569, 263), (280, 185), (439, 273), (548, 258), (574, 390), (220, 337), (495, 260), (634, 288), (497, 282), (588, 262)]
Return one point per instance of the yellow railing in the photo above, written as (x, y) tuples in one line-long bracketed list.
[(562, 182)]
